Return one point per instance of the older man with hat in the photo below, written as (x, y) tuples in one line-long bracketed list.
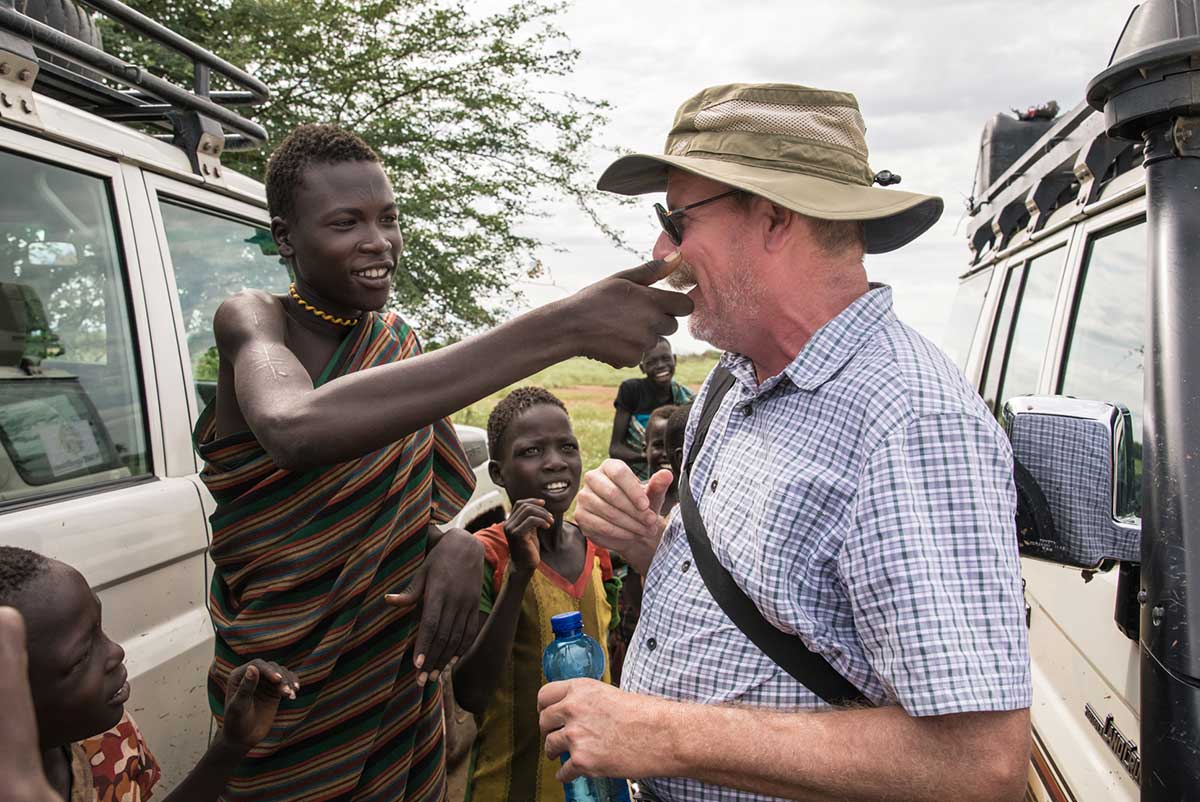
[(835, 610)]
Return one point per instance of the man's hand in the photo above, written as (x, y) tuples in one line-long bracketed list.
[(447, 586), (609, 732), (619, 513), (21, 774), (521, 531), (619, 318), (252, 697)]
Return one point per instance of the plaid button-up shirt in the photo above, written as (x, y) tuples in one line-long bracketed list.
[(863, 498)]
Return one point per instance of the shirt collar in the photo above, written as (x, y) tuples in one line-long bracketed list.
[(828, 350)]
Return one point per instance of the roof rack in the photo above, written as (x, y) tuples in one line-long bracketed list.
[(199, 120), (1068, 164)]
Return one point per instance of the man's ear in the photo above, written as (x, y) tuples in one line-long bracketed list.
[(281, 232), (494, 472), (777, 226)]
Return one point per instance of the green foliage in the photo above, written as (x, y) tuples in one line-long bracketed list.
[(447, 97)]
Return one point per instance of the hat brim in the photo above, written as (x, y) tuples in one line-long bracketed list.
[(892, 218)]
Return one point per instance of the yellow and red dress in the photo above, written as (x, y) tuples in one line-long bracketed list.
[(509, 759)]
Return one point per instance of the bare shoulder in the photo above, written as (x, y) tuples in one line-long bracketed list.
[(250, 315)]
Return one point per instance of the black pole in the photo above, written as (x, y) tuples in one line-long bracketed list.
[(1170, 626), (1151, 92)]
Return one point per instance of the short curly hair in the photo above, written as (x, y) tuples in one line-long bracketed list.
[(18, 569), (677, 426), (305, 146), (518, 401)]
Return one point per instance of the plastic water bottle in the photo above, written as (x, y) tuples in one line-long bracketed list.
[(573, 655)]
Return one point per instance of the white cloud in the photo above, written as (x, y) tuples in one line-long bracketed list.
[(928, 75)]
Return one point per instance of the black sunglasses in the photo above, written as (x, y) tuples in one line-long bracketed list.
[(667, 219)]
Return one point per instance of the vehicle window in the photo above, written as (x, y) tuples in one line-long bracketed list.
[(964, 317), (215, 257), (1104, 354), (71, 411), (1031, 326), (993, 368)]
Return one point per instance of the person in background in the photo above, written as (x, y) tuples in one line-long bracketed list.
[(637, 398), (676, 430), (538, 565), (91, 748)]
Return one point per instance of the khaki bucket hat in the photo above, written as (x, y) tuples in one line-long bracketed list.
[(803, 148)]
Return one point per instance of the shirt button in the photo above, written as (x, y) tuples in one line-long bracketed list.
[(748, 410), (713, 486), (686, 565), (651, 644)]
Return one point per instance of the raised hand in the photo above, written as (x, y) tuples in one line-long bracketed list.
[(447, 586), (619, 513), (521, 530), (252, 697), (618, 319)]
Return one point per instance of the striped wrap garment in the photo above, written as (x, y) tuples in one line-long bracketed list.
[(303, 560)]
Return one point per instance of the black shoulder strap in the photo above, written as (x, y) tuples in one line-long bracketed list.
[(788, 651)]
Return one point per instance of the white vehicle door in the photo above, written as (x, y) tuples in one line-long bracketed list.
[(85, 467)]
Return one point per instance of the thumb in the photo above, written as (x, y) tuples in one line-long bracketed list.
[(657, 487), (245, 690), (652, 271), (411, 594)]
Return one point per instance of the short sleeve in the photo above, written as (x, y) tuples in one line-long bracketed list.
[(931, 568), (627, 396), (495, 557)]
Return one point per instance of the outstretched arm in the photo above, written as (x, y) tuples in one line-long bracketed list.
[(880, 754), (614, 320)]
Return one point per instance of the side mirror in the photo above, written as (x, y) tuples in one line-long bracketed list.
[(1075, 480)]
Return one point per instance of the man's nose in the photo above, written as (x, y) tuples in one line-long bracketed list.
[(663, 246), (377, 242), (555, 461)]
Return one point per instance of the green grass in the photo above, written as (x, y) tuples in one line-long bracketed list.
[(588, 389)]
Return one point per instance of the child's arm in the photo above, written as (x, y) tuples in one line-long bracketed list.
[(251, 699), (477, 672), (617, 448)]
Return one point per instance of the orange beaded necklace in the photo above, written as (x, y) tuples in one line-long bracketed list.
[(340, 321)]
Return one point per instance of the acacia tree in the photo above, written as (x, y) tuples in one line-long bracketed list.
[(454, 102)]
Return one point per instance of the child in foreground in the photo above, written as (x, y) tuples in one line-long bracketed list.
[(538, 565), (91, 749)]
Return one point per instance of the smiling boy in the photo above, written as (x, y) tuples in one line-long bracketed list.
[(637, 398), (91, 749), (331, 459), (538, 565)]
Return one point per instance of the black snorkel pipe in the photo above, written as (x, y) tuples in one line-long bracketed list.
[(1151, 93)]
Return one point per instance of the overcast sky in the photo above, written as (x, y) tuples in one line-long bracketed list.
[(928, 75)]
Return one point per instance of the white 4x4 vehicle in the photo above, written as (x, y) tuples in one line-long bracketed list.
[(1077, 321), (115, 249)]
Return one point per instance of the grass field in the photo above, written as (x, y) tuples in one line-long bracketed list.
[(588, 389)]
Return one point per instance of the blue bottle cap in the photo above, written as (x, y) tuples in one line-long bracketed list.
[(566, 623)]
